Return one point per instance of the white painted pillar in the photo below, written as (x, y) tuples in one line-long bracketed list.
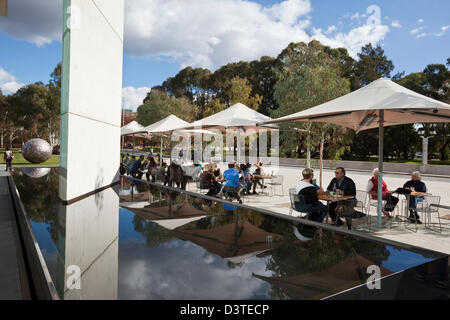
[(91, 95)]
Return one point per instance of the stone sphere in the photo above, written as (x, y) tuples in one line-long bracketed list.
[(36, 172), (37, 150)]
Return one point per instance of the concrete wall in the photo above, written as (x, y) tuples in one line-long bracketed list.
[(91, 95)]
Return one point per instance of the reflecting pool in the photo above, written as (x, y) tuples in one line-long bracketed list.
[(140, 241)]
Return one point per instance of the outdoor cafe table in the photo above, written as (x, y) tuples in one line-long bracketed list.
[(329, 198)]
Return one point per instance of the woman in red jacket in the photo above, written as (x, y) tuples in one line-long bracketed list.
[(372, 188)]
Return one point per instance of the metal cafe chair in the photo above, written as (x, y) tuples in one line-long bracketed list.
[(294, 197), (276, 181), (427, 207)]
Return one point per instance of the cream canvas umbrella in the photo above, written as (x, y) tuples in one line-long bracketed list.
[(381, 103), (238, 117), (133, 129), (168, 125)]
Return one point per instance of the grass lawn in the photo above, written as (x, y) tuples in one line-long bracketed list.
[(19, 160)]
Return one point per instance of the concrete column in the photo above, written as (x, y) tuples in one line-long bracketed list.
[(91, 95)]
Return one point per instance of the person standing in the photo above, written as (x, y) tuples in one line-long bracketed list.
[(347, 187), (418, 186), (8, 156)]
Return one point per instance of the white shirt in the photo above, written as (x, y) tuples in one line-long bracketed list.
[(302, 185), (369, 186)]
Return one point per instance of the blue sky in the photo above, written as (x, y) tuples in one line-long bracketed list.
[(161, 37)]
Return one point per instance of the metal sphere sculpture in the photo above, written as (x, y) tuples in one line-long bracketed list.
[(37, 151)]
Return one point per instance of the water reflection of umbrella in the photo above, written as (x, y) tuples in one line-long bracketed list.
[(239, 240), (346, 274), (176, 211)]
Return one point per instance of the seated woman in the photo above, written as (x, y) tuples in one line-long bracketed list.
[(208, 181), (152, 167), (372, 188), (257, 181)]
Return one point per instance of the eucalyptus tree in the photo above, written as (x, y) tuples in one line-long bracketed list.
[(309, 76)]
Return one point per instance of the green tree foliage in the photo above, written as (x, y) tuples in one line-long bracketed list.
[(372, 65), (308, 76), (192, 84), (158, 105), (433, 82)]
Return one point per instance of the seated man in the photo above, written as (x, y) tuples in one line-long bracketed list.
[(208, 181), (418, 186), (174, 174), (137, 168), (315, 209), (232, 183), (347, 186)]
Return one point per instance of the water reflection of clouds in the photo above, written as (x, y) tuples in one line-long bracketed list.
[(183, 270)]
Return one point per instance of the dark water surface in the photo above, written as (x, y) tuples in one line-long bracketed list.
[(144, 242)]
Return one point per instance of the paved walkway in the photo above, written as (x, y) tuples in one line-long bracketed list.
[(9, 273)]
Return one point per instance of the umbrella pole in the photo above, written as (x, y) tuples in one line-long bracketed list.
[(160, 152), (380, 166)]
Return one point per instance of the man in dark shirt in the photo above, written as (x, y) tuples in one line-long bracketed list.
[(418, 186), (345, 184), (315, 209), (137, 168)]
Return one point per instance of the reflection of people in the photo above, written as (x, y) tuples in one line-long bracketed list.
[(347, 186), (418, 186), (315, 209), (372, 188), (8, 156)]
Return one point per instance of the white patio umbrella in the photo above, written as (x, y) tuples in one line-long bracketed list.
[(167, 126), (133, 129), (381, 103), (238, 117)]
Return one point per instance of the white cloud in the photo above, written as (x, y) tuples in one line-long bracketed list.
[(423, 34), (331, 29), (396, 24), (415, 31), (443, 30), (39, 22), (355, 38), (133, 97), (201, 33), (8, 82), (420, 20)]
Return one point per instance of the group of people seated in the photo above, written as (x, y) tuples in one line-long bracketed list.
[(345, 186), (235, 180)]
